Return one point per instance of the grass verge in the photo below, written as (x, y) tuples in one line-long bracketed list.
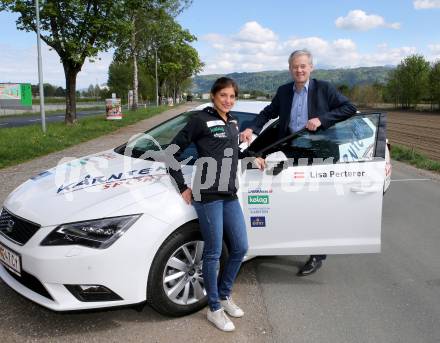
[(20, 144), (6, 117), (404, 154)]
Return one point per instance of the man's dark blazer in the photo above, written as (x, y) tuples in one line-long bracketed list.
[(323, 102)]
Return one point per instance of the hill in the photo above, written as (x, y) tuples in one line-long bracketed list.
[(269, 81)]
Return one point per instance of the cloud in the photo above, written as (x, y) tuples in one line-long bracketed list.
[(434, 50), (20, 65), (359, 20), (227, 53), (254, 32), (426, 4)]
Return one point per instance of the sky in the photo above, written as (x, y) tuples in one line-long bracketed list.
[(257, 35)]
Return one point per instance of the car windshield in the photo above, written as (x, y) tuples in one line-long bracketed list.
[(159, 137)]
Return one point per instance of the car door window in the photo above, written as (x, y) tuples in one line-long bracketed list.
[(351, 140)]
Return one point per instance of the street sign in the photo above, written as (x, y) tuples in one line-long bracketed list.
[(15, 96)]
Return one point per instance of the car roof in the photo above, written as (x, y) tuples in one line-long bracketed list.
[(242, 106)]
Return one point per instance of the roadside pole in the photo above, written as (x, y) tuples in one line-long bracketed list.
[(40, 69), (157, 85)]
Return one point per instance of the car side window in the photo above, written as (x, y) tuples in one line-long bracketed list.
[(351, 140)]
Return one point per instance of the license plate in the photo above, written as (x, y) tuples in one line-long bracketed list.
[(10, 260)]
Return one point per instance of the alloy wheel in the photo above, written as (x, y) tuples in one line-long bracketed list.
[(182, 277)]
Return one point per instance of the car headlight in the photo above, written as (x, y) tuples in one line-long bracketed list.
[(99, 233)]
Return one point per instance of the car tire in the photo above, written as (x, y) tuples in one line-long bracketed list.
[(175, 282)]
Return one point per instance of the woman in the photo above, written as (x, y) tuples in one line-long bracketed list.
[(215, 133)]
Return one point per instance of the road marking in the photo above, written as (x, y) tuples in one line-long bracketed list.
[(34, 119), (3, 124), (397, 180)]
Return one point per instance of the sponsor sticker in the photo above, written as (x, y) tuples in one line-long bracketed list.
[(114, 180), (260, 191), (259, 210), (298, 175), (336, 174), (258, 221), (258, 199)]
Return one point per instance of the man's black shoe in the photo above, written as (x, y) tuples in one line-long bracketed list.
[(311, 266)]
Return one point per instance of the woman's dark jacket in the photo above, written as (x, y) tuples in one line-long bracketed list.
[(216, 141)]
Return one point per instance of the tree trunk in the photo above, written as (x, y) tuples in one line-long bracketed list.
[(135, 83), (135, 66), (70, 74)]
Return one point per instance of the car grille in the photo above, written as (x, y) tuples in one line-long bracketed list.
[(16, 229), (31, 282)]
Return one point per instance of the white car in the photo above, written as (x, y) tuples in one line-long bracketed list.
[(110, 229)]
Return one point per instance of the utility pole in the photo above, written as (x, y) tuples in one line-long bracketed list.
[(40, 69), (157, 81)]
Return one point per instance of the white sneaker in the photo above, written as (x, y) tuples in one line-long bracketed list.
[(231, 308), (221, 320)]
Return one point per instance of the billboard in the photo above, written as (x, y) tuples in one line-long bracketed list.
[(113, 109), (15, 96)]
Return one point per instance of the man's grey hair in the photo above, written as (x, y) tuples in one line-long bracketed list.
[(302, 52)]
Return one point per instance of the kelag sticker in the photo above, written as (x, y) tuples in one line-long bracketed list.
[(258, 199)]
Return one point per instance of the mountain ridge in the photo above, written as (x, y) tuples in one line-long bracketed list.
[(268, 81)]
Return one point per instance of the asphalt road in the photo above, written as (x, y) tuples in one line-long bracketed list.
[(387, 297), (32, 120)]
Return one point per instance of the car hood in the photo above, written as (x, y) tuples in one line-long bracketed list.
[(96, 186)]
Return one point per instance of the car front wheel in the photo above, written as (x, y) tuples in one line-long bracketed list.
[(175, 283)]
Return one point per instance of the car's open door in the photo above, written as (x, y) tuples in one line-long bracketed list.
[(321, 192)]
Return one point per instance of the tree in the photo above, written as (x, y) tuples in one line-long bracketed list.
[(366, 95), (140, 14), (185, 64), (344, 89), (434, 83), (96, 91), (75, 29), (90, 91), (120, 80), (60, 92), (393, 89), (48, 89), (177, 59), (408, 84)]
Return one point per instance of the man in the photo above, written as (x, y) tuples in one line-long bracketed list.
[(304, 103)]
